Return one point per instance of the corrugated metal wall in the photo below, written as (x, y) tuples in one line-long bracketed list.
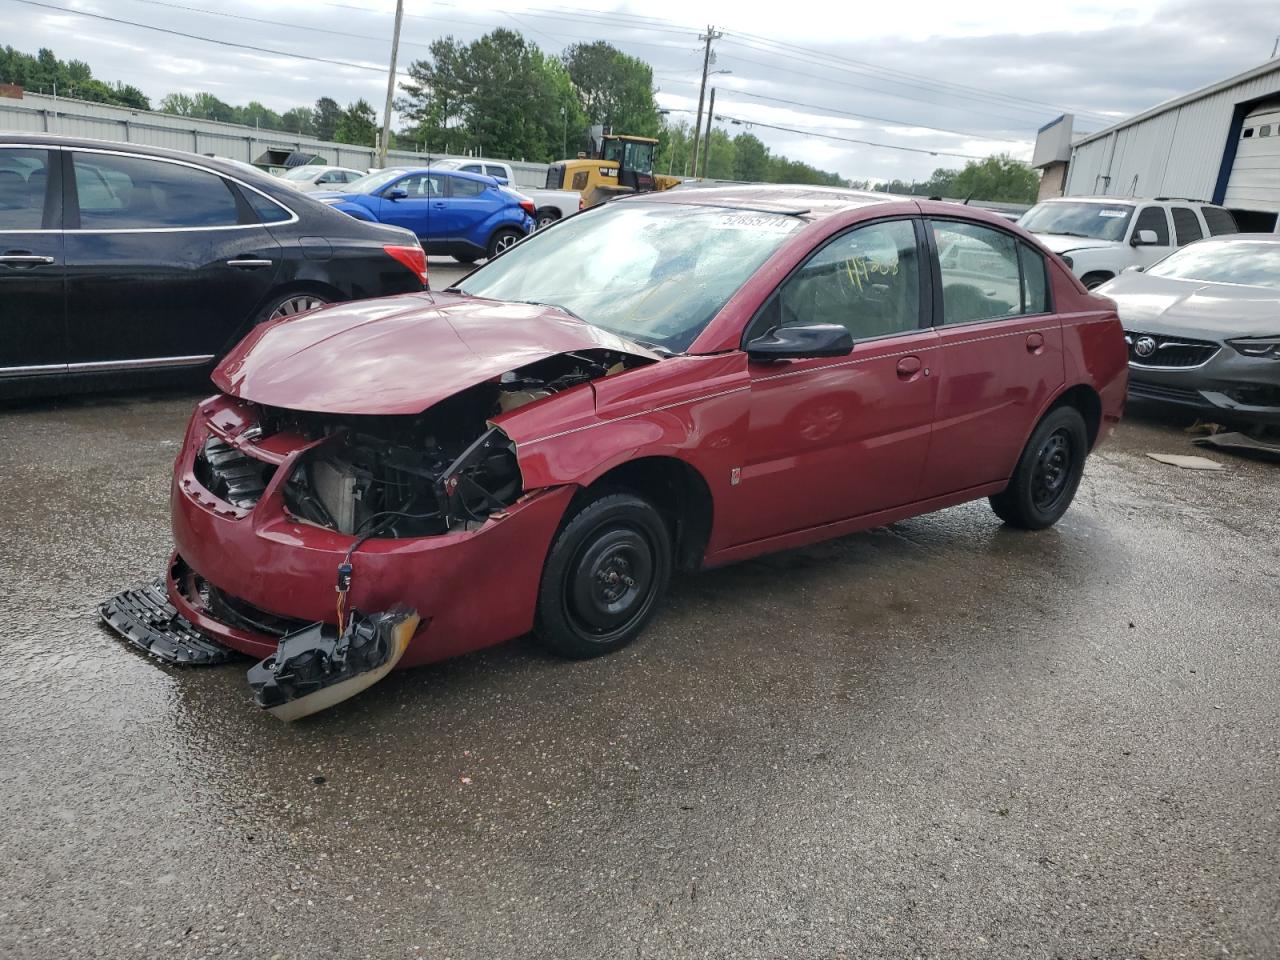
[(36, 113), (1176, 153)]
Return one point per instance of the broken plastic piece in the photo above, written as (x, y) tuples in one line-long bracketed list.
[(145, 617), (315, 668)]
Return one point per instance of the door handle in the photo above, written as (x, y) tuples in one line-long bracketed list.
[(908, 367), (1035, 342), (249, 264), (439, 205), (25, 260)]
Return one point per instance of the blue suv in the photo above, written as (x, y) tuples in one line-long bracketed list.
[(465, 215)]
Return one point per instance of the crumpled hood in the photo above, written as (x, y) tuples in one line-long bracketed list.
[(399, 355), (1193, 308), (1060, 244)]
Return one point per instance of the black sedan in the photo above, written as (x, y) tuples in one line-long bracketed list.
[(118, 260)]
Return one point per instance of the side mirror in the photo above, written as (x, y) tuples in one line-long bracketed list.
[(1133, 268), (799, 343), (1144, 238), (395, 193)]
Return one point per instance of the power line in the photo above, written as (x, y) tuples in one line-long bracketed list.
[(832, 136), (193, 36)]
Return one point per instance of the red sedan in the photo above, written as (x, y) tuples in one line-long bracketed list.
[(663, 383)]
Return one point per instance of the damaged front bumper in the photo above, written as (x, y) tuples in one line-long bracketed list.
[(246, 575)]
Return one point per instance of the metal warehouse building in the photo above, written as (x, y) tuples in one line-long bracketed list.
[(1220, 144)]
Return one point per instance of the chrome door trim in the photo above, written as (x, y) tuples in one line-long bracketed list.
[(107, 366)]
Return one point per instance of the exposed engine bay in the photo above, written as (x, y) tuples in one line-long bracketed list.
[(404, 476)]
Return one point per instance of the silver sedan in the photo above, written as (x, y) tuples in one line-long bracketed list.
[(1203, 328)]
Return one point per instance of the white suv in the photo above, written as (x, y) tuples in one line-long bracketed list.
[(1099, 237)]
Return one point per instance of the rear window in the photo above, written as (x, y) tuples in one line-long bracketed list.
[(1219, 221), (118, 192), (24, 176)]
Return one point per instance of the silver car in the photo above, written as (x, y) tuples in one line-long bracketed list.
[(1203, 327)]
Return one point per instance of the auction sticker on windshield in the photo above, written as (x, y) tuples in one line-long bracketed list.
[(1113, 213), (765, 223)]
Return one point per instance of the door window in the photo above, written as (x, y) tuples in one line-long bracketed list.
[(1153, 218), (1219, 221), (867, 280), (1186, 226), (980, 273), (24, 176), (496, 172), (1035, 284), (472, 168), (458, 187), (420, 185), (118, 192)]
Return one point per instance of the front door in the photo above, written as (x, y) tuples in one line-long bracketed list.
[(165, 262), (33, 334), (1000, 355), (839, 437), (422, 208)]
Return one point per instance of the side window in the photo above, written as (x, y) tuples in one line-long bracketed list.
[(1264, 130), (472, 168), (1153, 218), (24, 177), (495, 172), (980, 275), (1186, 226), (460, 187), (133, 193), (867, 280), (419, 186), (1219, 221), (330, 177), (268, 211), (1035, 284)]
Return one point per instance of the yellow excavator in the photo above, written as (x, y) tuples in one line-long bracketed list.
[(615, 164)]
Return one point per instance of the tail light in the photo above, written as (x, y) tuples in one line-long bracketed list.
[(528, 207), (411, 257)]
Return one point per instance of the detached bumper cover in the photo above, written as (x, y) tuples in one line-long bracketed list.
[(145, 617)]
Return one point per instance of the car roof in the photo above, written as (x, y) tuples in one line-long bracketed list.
[(1127, 201), (808, 202), (461, 174)]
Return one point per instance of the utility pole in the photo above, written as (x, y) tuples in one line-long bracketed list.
[(706, 144), (709, 36), (391, 87)]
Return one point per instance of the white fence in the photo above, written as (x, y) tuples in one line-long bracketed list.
[(37, 113)]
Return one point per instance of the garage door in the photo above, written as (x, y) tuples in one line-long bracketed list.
[(1255, 175)]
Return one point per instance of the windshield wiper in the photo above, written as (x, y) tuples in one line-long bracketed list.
[(1069, 233), (554, 306)]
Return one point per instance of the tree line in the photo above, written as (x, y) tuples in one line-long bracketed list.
[(502, 96)]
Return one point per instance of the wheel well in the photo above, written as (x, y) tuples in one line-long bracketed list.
[(548, 210), (1101, 275), (679, 492), (1085, 399)]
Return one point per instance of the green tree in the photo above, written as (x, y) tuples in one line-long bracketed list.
[(298, 120), (255, 114), (205, 106), (997, 178), (45, 73), (613, 88), (435, 98), (750, 158), (179, 104), (325, 117), (358, 124)]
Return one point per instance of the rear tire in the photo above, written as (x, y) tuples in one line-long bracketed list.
[(545, 218), (289, 305), (604, 576), (1048, 472), (503, 239)]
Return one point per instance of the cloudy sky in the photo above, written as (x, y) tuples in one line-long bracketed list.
[(946, 80)]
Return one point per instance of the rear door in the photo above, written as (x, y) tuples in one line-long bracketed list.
[(166, 260), (1186, 226), (1000, 350), (33, 334), (471, 203)]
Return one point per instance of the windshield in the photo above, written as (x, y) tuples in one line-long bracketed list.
[(638, 157), (370, 182), (1097, 221), (655, 273), (1254, 263), (299, 173)]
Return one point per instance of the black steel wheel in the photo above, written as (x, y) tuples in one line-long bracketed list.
[(604, 576), (1048, 472)]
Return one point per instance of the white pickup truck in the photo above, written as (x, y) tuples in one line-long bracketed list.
[(550, 205)]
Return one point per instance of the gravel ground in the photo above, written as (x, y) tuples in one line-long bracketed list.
[(937, 739)]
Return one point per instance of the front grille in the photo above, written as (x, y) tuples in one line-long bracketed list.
[(230, 475), (1177, 352), (1158, 391)]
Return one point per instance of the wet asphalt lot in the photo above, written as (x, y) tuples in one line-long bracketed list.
[(940, 739)]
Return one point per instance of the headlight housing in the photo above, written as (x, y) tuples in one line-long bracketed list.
[(1263, 348)]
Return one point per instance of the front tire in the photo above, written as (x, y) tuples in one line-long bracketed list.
[(503, 239), (1092, 281), (604, 576), (1048, 472)]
